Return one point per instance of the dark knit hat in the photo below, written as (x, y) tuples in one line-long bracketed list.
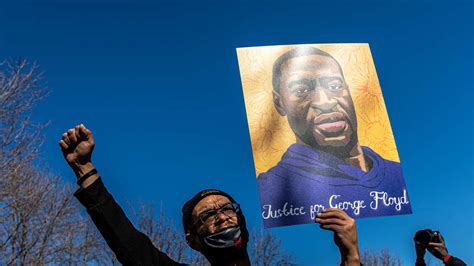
[(188, 207)]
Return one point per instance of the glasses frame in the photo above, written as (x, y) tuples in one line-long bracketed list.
[(203, 218)]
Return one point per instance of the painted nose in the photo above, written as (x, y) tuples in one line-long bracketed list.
[(321, 100)]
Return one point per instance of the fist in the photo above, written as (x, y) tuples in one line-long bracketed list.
[(77, 145), (438, 249)]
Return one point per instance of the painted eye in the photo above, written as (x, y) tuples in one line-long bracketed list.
[(335, 86), (300, 90)]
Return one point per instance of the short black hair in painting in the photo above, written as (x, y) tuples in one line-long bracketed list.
[(296, 52)]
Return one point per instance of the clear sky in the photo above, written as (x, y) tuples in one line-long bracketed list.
[(158, 84)]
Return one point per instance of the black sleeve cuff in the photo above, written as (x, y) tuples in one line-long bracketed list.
[(453, 261), (93, 195)]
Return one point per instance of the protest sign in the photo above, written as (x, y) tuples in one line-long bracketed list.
[(320, 132)]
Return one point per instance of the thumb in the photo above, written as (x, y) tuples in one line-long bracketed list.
[(433, 244)]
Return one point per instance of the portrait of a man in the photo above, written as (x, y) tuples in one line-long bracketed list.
[(326, 166)]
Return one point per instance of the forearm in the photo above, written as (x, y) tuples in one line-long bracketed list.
[(129, 245), (420, 262), (350, 259), (82, 169), (453, 261), (448, 260)]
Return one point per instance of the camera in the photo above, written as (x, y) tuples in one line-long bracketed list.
[(426, 236)]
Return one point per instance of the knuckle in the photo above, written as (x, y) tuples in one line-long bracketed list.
[(351, 222)]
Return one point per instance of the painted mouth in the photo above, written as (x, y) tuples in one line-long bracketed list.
[(330, 124)]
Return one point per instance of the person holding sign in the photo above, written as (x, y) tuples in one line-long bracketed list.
[(213, 222), (326, 167)]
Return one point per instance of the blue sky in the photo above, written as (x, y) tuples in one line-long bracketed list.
[(159, 85)]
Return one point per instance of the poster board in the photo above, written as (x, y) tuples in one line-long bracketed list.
[(320, 133)]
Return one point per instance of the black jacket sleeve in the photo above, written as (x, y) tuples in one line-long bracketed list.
[(130, 246), (453, 261)]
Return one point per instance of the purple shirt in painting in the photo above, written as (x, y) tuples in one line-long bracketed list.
[(306, 181)]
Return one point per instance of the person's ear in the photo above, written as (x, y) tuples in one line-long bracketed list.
[(278, 104), (193, 241)]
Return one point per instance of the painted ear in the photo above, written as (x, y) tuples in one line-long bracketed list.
[(193, 241), (278, 104)]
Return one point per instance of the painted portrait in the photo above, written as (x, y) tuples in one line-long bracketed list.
[(321, 136)]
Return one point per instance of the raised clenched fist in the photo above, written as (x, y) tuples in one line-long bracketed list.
[(77, 145)]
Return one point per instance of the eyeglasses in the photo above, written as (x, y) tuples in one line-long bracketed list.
[(229, 209)]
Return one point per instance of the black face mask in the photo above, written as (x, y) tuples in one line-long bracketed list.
[(228, 238), (224, 246)]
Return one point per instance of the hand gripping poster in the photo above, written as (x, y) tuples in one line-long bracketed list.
[(320, 132)]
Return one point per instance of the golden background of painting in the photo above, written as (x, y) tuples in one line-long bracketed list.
[(270, 133)]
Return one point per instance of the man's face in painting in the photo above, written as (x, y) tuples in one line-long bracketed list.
[(315, 97)]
